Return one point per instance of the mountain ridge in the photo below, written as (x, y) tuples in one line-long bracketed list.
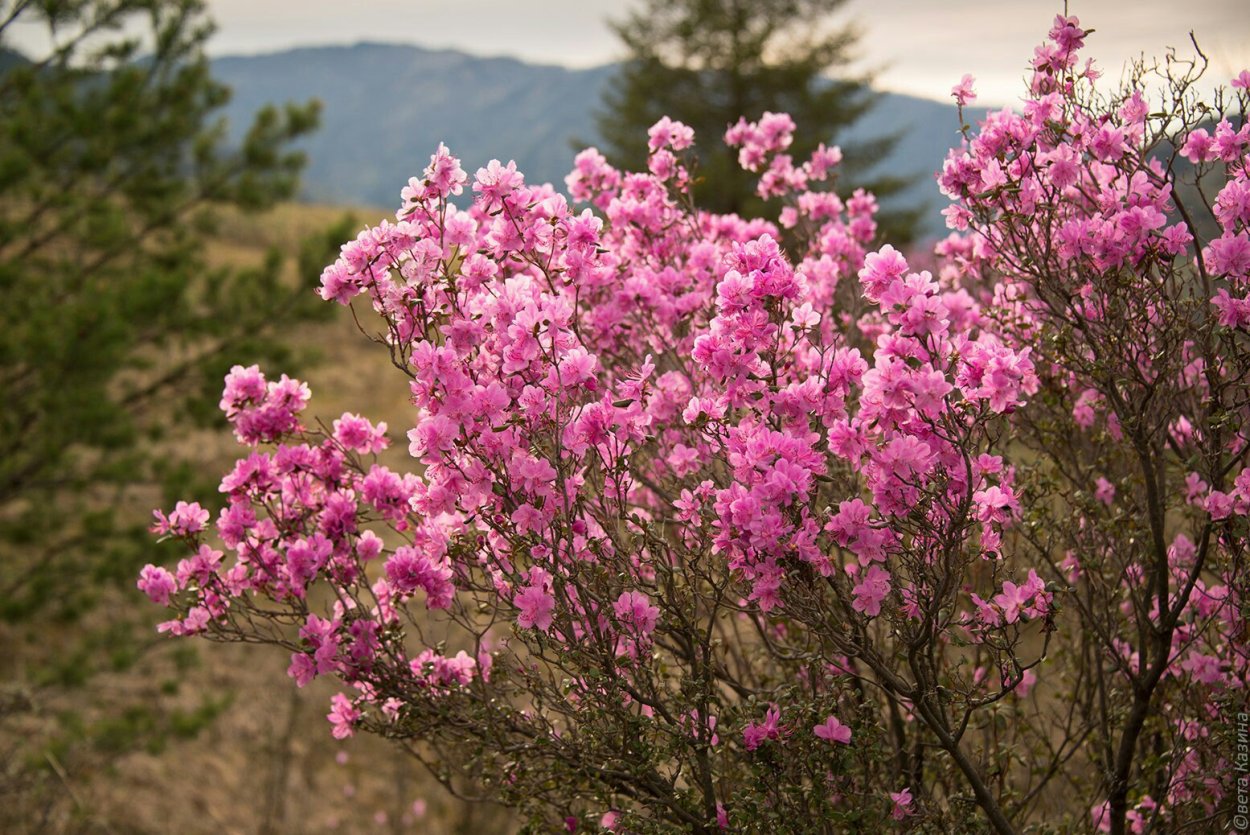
[(386, 106)]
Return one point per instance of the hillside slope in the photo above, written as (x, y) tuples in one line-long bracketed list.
[(388, 106)]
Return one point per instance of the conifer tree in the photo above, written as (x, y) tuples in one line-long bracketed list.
[(709, 62), (116, 329), (112, 165)]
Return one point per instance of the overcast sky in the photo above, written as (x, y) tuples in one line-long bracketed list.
[(921, 47)]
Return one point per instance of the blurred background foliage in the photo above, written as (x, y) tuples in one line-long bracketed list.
[(115, 329), (117, 326)]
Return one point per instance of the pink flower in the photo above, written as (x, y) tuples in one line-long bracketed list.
[(1195, 488), (823, 159), (343, 716), (1203, 668), (963, 92), (1083, 410), (757, 140), (871, 591), (753, 735), (157, 583), (880, 269), (1198, 147), (1063, 165), (1219, 504), (444, 173), (200, 568), (1108, 144), (699, 728), (243, 386), (1100, 816), (1104, 491), (1013, 600), (833, 730), (1067, 34), (635, 611), (437, 670), (1027, 679), (359, 435), (987, 615), (409, 569), (1229, 255), (536, 607), (669, 133), (368, 546), (187, 518), (302, 669), (996, 504), (496, 182), (262, 411), (902, 804)]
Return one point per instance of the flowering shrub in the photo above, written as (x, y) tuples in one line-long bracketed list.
[(720, 522)]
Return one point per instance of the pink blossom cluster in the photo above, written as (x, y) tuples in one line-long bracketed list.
[(1089, 217), (671, 465), (761, 142), (572, 370), (1015, 603)]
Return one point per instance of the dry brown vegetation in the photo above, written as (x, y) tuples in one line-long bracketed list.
[(247, 752)]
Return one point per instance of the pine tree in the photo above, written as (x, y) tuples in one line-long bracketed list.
[(116, 330), (709, 62), (112, 167)]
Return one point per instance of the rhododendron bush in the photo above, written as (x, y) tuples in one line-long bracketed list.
[(715, 523)]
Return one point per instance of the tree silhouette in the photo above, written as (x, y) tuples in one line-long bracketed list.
[(709, 62)]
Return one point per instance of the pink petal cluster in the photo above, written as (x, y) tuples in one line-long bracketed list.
[(634, 422)]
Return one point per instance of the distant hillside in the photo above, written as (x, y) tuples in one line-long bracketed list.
[(388, 106), (929, 129)]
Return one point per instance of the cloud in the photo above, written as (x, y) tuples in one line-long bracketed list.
[(920, 47), (569, 32), (925, 47)]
